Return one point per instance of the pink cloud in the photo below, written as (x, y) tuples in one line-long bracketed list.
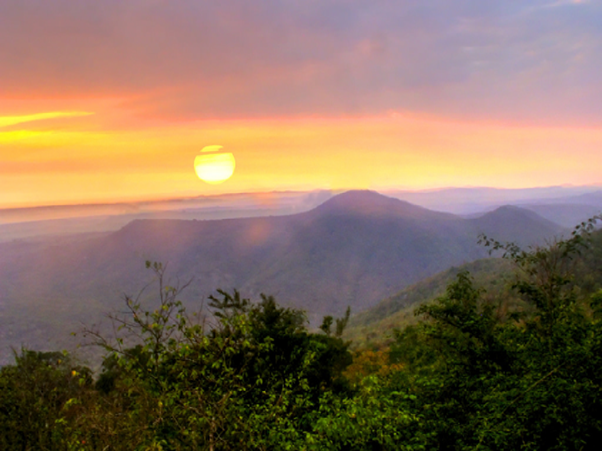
[(500, 60)]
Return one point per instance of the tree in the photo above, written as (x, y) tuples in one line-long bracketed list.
[(527, 380), (38, 395), (250, 380)]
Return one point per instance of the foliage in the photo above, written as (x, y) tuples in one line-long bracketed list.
[(38, 395), (475, 371), (247, 382), (528, 380)]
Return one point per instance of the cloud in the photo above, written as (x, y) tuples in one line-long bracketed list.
[(505, 60), (5, 121)]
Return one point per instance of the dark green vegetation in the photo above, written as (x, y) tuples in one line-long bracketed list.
[(512, 369), (375, 326), (353, 250)]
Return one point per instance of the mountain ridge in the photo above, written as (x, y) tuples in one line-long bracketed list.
[(352, 250)]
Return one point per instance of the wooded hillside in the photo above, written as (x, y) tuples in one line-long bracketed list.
[(475, 372)]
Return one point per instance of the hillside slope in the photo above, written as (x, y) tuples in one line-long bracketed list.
[(355, 249), (495, 276)]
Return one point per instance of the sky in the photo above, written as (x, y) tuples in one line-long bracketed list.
[(112, 100)]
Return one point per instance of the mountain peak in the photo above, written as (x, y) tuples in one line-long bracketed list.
[(371, 203), (512, 223), (512, 212)]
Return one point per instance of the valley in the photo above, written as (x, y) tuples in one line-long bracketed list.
[(355, 249)]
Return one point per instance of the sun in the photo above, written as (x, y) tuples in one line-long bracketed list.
[(214, 167)]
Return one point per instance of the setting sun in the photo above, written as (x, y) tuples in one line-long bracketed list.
[(215, 167)]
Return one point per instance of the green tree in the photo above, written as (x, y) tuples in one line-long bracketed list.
[(248, 381), (527, 380), (38, 395)]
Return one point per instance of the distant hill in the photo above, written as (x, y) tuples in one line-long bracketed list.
[(467, 201), (355, 249), (589, 198), (494, 276), (60, 221), (511, 223), (376, 324), (564, 205), (567, 215)]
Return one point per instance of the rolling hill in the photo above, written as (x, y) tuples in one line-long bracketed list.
[(495, 276), (355, 249)]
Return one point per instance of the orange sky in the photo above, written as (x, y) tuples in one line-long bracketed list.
[(77, 159), (114, 104)]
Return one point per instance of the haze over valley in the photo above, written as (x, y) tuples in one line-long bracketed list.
[(354, 249)]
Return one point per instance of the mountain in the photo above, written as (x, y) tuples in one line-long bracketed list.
[(353, 250), (564, 205), (468, 201), (511, 223), (494, 276), (569, 211), (589, 198), (567, 215), (375, 325), (63, 220)]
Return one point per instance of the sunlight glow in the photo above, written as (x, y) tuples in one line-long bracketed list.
[(107, 161), (214, 168), (7, 137)]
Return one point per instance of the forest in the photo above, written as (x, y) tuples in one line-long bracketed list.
[(518, 369)]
